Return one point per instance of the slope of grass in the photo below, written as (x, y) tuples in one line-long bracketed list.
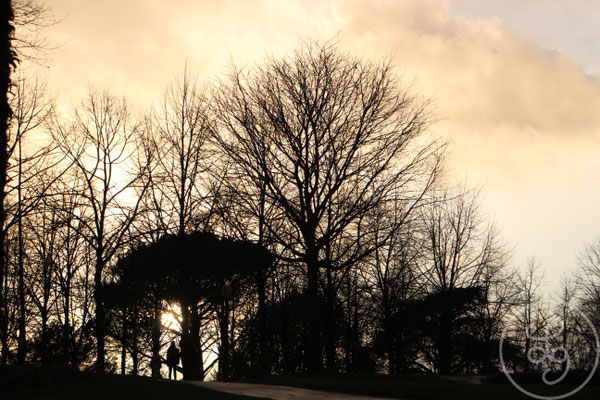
[(13, 377), (419, 387), (65, 384), (126, 388)]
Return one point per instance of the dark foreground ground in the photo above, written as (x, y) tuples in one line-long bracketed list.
[(424, 387), (65, 384)]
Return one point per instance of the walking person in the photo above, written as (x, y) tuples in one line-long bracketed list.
[(173, 360)]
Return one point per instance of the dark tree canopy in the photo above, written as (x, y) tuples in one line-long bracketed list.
[(194, 266)]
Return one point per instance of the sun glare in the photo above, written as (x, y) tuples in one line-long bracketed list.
[(171, 317)]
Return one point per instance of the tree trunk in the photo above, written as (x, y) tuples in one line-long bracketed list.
[(313, 356), (224, 367), (445, 343), (7, 62), (330, 343), (66, 331), (156, 330), (44, 345), (195, 342), (264, 356), (99, 300), (313, 359), (124, 340), (528, 333), (564, 364), (286, 345), (45, 311), (135, 353), (22, 341), (188, 354), (389, 336), (487, 360)]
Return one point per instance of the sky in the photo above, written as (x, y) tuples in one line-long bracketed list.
[(514, 85)]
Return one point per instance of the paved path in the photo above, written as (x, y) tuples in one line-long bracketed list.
[(278, 392)]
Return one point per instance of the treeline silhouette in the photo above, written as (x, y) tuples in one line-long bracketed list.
[(293, 217)]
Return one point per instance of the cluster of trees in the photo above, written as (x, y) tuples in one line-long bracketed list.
[(290, 218)]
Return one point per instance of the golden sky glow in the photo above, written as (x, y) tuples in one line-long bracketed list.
[(522, 120)]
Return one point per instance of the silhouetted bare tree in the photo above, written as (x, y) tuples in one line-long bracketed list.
[(29, 174), (460, 247), (499, 297), (588, 284), (181, 129), (179, 200), (102, 142), (532, 316), (393, 281), (325, 132), (31, 17), (27, 16), (589, 266)]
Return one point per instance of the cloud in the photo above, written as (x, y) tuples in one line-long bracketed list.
[(476, 70), (523, 119), (479, 73), (136, 47)]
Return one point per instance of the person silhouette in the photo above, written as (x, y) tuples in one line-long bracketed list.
[(173, 359), (155, 365)]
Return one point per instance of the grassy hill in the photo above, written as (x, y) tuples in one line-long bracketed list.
[(421, 387), (65, 383)]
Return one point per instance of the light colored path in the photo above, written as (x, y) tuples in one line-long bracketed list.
[(278, 392)]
